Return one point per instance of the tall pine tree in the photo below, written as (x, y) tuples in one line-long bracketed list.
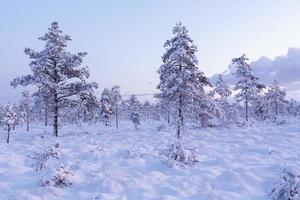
[(180, 79), (58, 71)]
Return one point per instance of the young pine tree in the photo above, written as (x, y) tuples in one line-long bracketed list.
[(247, 83), (25, 106), (116, 98), (222, 89), (134, 107), (106, 110), (9, 119), (180, 79), (275, 100), (57, 71)]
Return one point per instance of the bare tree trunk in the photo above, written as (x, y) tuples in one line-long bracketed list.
[(117, 120), (180, 118), (276, 106), (55, 118), (246, 107), (168, 116), (27, 119), (8, 134), (46, 113)]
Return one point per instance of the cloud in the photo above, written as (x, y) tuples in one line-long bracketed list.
[(285, 69)]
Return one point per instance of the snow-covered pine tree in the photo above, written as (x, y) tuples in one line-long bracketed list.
[(223, 90), (25, 107), (9, 119), (106, 104), (260, 107), (88, 107), (275, 100), (147, 110), (57, 70), (41, 106), (116, 99), (247, 83), (180, 79), (135, 108), (293, 108)]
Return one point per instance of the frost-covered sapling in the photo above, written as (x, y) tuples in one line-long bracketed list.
[(10, 119), (60, 177), (40, 159), (106, 107), (134, 110), (180, 153), (288, 188), (116, 99), (25, 106)]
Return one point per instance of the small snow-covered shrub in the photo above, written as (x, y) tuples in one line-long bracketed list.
[(39, 160), (99, 149), (288, 188), (61, 177), (132, 153), (182, 154), (281, 121), (161, 128)]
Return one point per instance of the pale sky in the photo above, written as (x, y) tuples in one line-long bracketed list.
[(124, 39)]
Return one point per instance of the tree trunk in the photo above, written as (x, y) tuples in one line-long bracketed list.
[(168, 117), (246, 107), (180, 117), (117, 120), (276, 106), (55, 118), (27, 119), (8, 133), (46, 113)]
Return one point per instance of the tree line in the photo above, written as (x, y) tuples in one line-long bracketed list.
[(64, 93)]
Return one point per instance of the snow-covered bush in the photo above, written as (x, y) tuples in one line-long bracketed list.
[(132, 153), (181, 154), (161, 128), (40, 159), (288, 188), (9, 119), (61, 177)]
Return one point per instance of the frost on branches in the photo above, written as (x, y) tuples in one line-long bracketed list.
[(106, 110), (275, 100), (25, 107), (181, 82), (115, 100), (288, 188), (134, 107), (247, 83), (57, 71), (9, 119)]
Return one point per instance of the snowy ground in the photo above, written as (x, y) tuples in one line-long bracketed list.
[(235, 164)]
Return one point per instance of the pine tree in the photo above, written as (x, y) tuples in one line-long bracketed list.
[(106, 104), (293, 108), (180, 78), (116, 99), (247, 82), (41, 104), (9, 119), (25, 106), (275, 100), (222, 89), (57, 71), (134, 107)]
